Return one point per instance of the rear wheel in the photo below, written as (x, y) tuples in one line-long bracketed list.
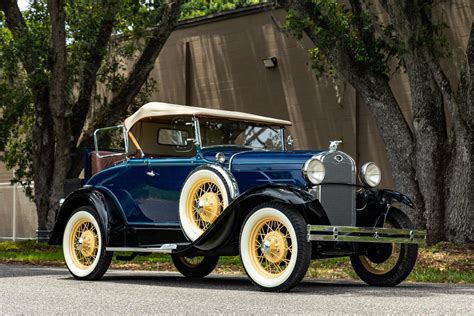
[(387, 264), (273, 247), (83, 245), (195, 267)]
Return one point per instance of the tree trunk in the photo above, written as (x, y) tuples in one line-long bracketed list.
[(459, 174), (57, 104), (429, 128), (459, 187), (43, 156)]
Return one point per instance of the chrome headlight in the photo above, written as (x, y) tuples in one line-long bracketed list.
[(314, 171), (370, 174)]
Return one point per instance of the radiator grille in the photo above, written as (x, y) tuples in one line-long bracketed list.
[(338, 200)]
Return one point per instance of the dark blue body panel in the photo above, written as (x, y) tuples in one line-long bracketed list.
[(148, 189)]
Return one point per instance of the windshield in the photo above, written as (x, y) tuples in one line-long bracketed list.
[(219, 132)]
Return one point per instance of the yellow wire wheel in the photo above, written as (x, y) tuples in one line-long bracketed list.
[(382, 267), (387, 264), (273, 247), (204, 197), (195, 267), (83, 250), (204, 203), (83, 243), (270, 247)]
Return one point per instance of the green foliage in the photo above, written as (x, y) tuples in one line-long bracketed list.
[(16, 111), (198, 8), (83, 19), (371, 43)]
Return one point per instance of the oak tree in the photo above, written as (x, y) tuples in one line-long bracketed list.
[(432, 159), (61, 61)]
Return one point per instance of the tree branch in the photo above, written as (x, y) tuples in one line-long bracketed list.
[(17, 25), (116, 109), (118, 106), (466, 86), (93, 62)]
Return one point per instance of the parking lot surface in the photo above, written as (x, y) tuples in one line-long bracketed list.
[(39, 290)]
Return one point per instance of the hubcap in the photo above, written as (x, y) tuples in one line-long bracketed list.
[(270, 247), (209, 206), (204, 204), (84, 244), (275, 247)]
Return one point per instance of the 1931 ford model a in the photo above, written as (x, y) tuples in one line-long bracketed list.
[(200, 183)]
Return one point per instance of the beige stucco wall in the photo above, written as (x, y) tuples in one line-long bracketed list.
[(226, 71)]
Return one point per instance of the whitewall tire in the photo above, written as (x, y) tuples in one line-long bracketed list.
[(273, 247), (83, 245), (205, 195)]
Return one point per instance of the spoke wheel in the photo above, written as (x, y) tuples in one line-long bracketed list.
[(205, 203), (273, 247), (378, 261), (387, 264), (204, 197), (195, 267), (83, 248), (83, 243), (270, 246)]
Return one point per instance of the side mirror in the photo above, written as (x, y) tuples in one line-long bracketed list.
[(111, 141)]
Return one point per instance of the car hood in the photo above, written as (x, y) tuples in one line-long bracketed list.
[(237, 158)]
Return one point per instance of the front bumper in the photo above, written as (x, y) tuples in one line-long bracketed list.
[(365, 234)]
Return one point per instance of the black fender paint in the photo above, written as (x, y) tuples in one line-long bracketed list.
[(110, 214), (226, 228), (372, 204)]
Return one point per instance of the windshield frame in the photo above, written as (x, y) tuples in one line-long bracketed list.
[(280, 132)]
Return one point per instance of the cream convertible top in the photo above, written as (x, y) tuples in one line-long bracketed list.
[(157, 109)]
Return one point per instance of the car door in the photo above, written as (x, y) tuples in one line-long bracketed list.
[(165, 178)]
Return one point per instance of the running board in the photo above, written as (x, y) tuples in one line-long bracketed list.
[(165, 248), (366, 234)]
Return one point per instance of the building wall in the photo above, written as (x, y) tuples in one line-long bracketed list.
[(218, 64)]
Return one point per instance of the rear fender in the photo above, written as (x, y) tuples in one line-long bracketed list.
[(110, 213), (226, 229)]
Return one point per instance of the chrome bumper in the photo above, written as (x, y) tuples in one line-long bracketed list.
[(365, 234)]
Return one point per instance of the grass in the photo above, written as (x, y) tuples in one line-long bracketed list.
[(442, 263)]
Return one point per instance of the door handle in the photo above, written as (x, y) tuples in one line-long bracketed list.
[(151, 173)]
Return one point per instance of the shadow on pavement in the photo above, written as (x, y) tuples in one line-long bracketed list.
[(241, 283), (316, 287), (15, 270)]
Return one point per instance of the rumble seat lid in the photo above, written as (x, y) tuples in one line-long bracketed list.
[(157, 109)]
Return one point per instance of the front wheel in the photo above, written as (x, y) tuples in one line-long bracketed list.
[(83, 245), (273, 247), (195, 267), (387, 264)]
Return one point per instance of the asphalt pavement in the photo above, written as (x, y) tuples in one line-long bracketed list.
[(39, 290)]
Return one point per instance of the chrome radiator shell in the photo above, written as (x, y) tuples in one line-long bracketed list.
[(339, 201)]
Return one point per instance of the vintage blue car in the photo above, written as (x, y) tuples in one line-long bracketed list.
[(202, 183)]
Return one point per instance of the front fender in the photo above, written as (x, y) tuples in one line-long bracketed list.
[(226, 229), (109, 212), (373, 203)]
